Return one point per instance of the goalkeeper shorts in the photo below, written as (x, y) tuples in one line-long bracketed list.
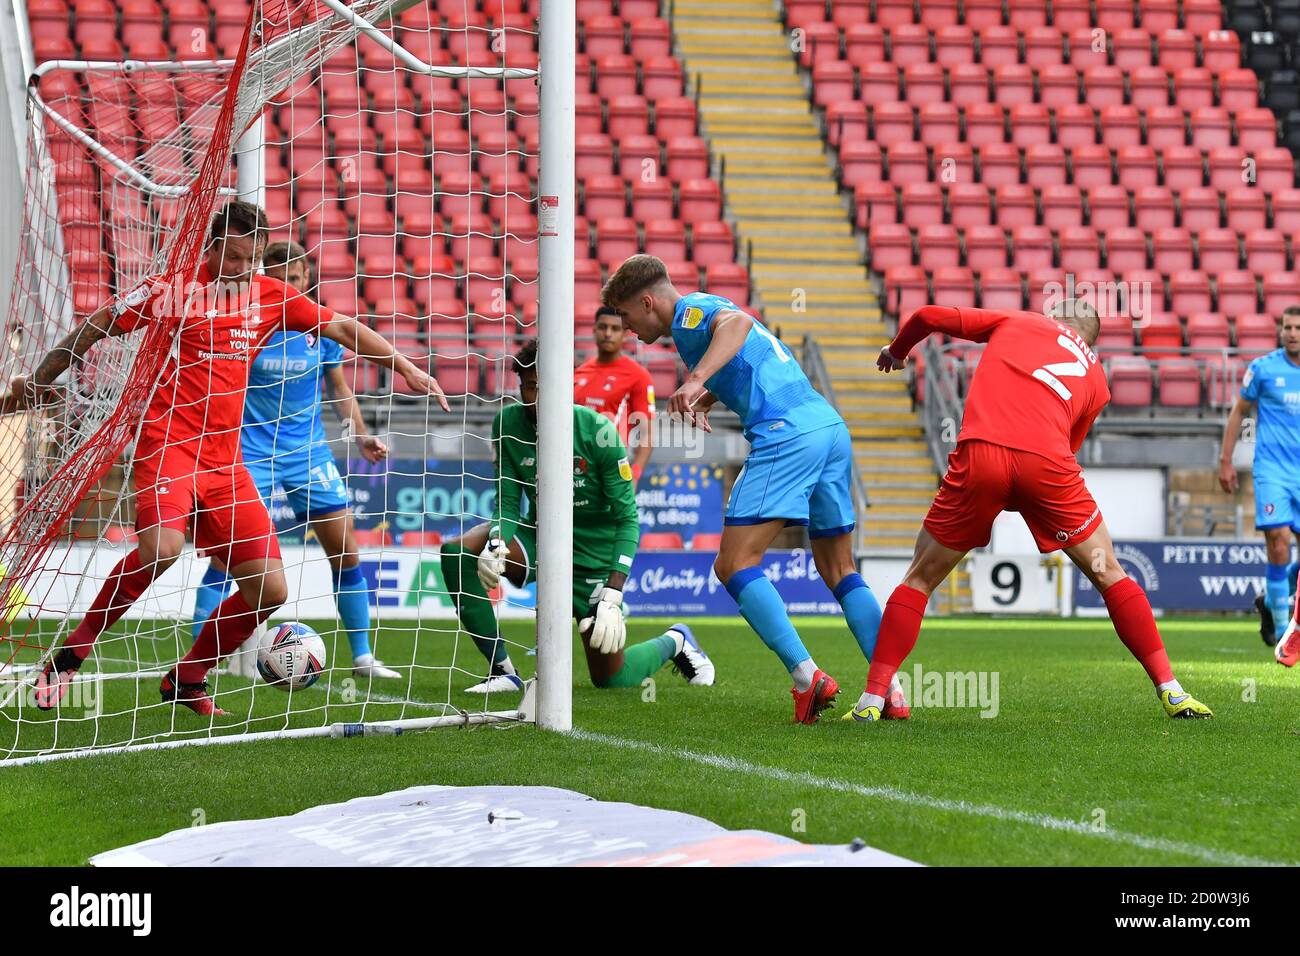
[(587, 582)]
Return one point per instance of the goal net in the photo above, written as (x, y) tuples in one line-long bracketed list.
[(397, 144)]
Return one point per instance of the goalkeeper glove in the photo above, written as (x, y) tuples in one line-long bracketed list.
[(492, 563), (609, 630)]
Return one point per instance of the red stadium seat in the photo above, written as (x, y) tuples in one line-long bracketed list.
[(661, 76), (1136, 167), (652, 199), (1108, 207), (1236, 292), (890, 245), (954, 286), (1090, 166), (864, 44), (688, 158), (1281, 290), (879, 82), (1000, 289), (1275, 169), (969, 204), (1247, 210), (1194, 87), (1180, 383), (938, 247), (1043, 48), (1189, 292), (712, 242), (923, 83), (1076, 126), (1031, 248), (874, 202), (1031, 125), (986, 126), (940, 123), (1103, 86), (860, 162), (1171, 249), (1199, 208), (1013, 83), (1255, 330), (1265, 251), (1218, 250), (999, 45), (1045, 165), (1016, 206), (675, 116), (954, 45), (1208, 330), (628, 115), (1162, 334), (909, 162), (1286, 210), (909, 43), (1256, 129), (729, 281), (665, 239), (999, 165), (1153, 208), (986, 248), (1080, 248), (832, 82), (639, 157), (700, 201), (616, 240), (662, 541), (1062, 206), (922, 204), (906, 288), (969, 83), (893, 123), (1121, 125)]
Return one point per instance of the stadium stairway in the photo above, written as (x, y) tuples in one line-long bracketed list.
[(804, 260)]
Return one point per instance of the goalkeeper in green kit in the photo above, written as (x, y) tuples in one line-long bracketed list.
[(605, 536)]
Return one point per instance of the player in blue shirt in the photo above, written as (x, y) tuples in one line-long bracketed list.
[(1272, 385), (283, 444), (799, 469)]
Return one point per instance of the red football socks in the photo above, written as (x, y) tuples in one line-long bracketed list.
[(231, 624), (899, 627), (1130, 612), (124, 586)]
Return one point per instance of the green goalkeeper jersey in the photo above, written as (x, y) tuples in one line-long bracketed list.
[(605, 525)]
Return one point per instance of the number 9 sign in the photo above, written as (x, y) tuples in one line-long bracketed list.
[(1006, 584)]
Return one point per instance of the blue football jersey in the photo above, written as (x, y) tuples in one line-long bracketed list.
[(283, 409), (763, 383), (1273, 384)]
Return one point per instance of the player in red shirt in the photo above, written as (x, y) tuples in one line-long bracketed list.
[(187, 457), (1037, 391), (618, 388)]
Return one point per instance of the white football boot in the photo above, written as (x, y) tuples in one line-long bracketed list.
[(367, 666), (692, 663)]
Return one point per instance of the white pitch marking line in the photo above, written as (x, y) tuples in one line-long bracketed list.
[(1042, 820)]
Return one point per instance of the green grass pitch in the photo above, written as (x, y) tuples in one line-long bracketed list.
[(1079, 766)]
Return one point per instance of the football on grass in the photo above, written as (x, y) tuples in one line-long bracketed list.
[(291, 656)]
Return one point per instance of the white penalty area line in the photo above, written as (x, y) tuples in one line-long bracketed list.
[(893, 794)]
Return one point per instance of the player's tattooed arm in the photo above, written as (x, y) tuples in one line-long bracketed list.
[(374, 348), (29, 391)]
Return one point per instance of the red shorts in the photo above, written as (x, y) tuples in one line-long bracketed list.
[(230, 521), (983, 480)]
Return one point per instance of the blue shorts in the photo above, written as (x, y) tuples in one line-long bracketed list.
[(307, 475), (805, 480), (1277, 503)]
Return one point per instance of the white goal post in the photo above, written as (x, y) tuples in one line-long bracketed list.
[(548, 700)]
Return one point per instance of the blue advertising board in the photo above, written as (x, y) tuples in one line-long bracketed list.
[(450, 496), (1184, 574), (685, 498), (682, 584)]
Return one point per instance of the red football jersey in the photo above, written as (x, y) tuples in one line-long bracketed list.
[(201, 396), (620, 390), (1038, 387)]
